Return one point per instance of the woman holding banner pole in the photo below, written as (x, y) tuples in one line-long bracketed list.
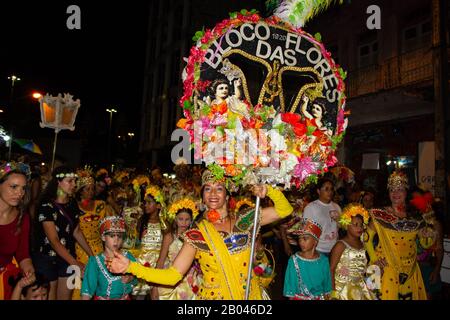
[(220, 241)]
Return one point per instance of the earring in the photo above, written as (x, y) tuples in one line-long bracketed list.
[(60, 192)]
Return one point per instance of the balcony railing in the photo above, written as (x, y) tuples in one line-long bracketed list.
[(407, 69)]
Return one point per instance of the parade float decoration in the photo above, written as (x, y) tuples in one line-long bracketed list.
[(263, 100)]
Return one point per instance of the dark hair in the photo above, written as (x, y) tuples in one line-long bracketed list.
[(23, 205), (320, 102), (49, 194), (216, 83), (40, 282), (173, 227), (145, 217), (322, 181)]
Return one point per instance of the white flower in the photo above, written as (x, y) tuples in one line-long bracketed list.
[(52, 253), (41, 218), (55, 216), (63, 241)]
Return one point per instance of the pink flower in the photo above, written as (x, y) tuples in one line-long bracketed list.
[(304, 168)]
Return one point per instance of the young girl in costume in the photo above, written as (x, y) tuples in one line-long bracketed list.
[(220, 241), (181, 213), (98, 282), (151, 236), (92, 212), (348, 260), (308, 272)]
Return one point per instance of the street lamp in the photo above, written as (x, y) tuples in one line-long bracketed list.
[(37, 95), (111, 112), (13, 79), (58, 113)]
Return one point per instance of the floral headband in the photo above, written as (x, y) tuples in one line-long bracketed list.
[(243, 201), (66, 175), (14, 166), (185, 203), (352, 210), (156, 193), (213, 176)]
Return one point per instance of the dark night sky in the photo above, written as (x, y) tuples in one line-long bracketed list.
[(102, 64)]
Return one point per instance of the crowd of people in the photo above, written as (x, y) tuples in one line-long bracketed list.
[(91, 234)]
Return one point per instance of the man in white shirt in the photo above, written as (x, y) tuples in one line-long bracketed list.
[(325, 212)]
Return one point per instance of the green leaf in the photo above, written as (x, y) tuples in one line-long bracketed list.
[(220, 130), (233, 15), (343, 73), (311, 130), (188, 105), (244, 12), (318, 37), (206, 110)]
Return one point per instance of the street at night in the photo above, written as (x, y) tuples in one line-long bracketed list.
[(225, 150)]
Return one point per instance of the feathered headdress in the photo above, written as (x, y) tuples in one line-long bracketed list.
[(298, 12)]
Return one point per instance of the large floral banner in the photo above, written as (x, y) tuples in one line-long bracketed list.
[(263, 101)]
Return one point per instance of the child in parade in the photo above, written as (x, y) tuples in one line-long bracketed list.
[(151, 234), (98, 282), (31, 289), (308, 273), (348, 262), (181, 212)]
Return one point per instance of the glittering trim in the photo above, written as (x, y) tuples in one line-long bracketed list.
[(107, 276)]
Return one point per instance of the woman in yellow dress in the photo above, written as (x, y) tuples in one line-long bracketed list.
[(396, 250), (219, 241), (181, 213), (93, 211)]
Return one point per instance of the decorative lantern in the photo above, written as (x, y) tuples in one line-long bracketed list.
[(58, 113)]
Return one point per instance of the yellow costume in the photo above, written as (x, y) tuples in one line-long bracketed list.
[(223, 257), (187, 288), (401, 279), (349, 275), (90, 226), (148, 253)]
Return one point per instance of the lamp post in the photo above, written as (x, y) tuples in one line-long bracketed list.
[(13, 79), (58, 113), (111, 112)]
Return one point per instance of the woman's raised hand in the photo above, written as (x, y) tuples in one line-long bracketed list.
[(260, 190), (118, 264)]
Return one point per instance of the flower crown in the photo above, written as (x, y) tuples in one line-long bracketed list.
[(156, 193), (14, 166), (352, 210), (66, 175), (184, 203), (243, 201)]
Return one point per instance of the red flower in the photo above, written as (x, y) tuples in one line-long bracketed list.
[(213, 216), (258, 270), (300, 129), (290, 118), (248, 124), (194, 289)]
